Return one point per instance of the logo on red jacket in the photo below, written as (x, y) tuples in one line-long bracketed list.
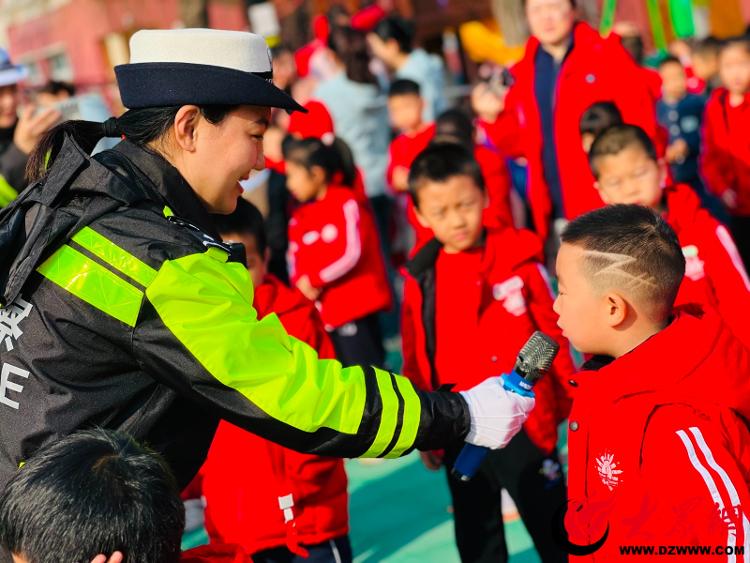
[(608, 469), (693, 264), (510, 292)]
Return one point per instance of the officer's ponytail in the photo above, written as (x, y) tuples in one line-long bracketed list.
[(139, 126), (85, 133)]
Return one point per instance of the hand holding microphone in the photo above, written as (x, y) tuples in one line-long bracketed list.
[(500, 405)]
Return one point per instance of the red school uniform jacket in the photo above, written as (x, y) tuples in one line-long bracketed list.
[(503, 302), (725, 157), (658, 449), (245, 475), (597, 69), (334, 241), (714, 273)]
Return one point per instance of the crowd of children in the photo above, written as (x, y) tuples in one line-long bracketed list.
[(638, 207), (647, 201)]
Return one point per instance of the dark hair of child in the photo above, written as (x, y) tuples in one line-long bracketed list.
[(651, 246), (403, 87), (312, 152), (245, 219), (615, 139), (439, 163), (92, 492), (598, 117)]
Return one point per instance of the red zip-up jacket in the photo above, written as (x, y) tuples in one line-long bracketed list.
[(514, 299), (244, 475), (725, 157), (658, 449), (597, 69), (334, 241), (714, 273)]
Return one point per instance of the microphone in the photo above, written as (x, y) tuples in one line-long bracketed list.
[(534, 359)]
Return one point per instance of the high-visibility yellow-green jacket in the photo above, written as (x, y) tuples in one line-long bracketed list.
[(121, 309)]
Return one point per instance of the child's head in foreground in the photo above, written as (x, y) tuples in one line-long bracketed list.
[(598, 117), (447, 188), (619, 269), (91, 493), (246, 226), (405, 105), (734, 65), (625, 166)]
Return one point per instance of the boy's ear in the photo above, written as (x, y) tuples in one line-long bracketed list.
[(266, 257), (486, 199), (617, 309)]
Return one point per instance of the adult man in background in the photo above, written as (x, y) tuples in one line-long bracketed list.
[(567, 67)]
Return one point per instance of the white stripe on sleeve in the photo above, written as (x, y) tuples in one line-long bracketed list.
[(710, 484), (353, 249), (734, 255)]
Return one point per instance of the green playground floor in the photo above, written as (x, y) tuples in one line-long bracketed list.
[(400, 512)]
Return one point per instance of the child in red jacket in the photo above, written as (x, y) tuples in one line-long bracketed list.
[(473, 296), (334, 253), (659, 447), (405, 107), (726, 149), (271, 500), (624, 163)]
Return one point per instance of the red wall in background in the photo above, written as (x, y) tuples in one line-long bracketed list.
[(79, 28)]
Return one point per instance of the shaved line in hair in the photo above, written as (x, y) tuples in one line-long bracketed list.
[(603, 264)]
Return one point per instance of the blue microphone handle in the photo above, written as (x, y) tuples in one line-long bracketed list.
[(471, 457)]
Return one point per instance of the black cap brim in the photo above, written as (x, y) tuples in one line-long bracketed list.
[(145, 85)]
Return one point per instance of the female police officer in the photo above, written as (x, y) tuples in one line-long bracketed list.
[(122, 310)]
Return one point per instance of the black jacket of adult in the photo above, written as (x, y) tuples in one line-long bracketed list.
[(121, 310)]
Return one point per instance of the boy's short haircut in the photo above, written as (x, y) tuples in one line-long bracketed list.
[(598, 117), (633, 249), (92, 492), (707, 47), (404, 87), (669, 60), (455, 126), (736, 41), (439, 163), (246, 219), (613, 140)]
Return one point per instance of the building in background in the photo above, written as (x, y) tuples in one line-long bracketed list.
[(80, 41)]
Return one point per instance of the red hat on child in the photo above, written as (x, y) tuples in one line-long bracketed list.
[(317, 122)]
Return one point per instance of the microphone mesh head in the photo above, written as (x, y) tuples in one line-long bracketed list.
[(536, 356)]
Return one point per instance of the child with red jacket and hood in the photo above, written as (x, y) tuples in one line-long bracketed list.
[(472, 297), (659, 446), (624, 162), (334, 253), (269, 499), (726, 149)]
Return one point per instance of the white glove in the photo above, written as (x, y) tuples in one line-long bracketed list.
[(496, 413)]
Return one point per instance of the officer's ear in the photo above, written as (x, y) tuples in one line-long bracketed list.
[(186, 127)]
